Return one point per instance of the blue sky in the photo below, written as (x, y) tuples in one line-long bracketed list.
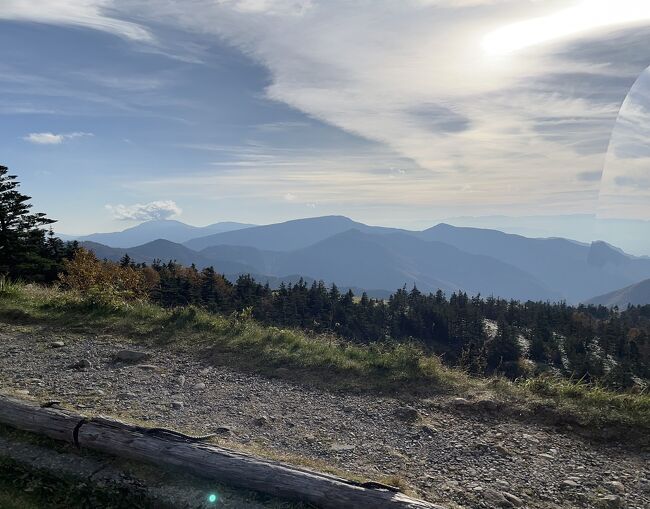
[(395, 113)]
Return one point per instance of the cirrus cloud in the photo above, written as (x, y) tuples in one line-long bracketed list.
[(94, 14)]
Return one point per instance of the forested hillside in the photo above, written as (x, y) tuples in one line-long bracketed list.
[(481, 335)]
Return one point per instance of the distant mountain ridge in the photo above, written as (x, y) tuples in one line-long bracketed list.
[(286, 236), (576, 270), (635, 295), (338, 249), (167, 229)]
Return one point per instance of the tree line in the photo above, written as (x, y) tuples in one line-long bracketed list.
[(483, 335)]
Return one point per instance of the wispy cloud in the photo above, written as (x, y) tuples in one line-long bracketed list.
[(281, 126), (523, 129), (53, 139), (92, 14), (415, 77), (161, 209)]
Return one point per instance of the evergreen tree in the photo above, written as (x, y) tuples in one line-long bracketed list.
[(503, 351), (25, 250)]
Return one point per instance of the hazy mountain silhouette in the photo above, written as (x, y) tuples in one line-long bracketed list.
[(228, 260), (286, 236), (392, 260), (165, 251), (636, 295), (262, 262), (575, 270), (351, 254), (167, 229)]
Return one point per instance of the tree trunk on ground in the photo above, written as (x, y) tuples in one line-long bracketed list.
[(232, 467)]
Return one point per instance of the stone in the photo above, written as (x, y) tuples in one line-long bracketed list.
[(428, 430), (568, 483), (488, 405), (494, 498), (126, 395), (148, 367), (406, 414), (223, 430), (82, 364), (262, 420), (337, 447), (502, 450), (616, 486), (610, 502), (513, 499), (181, 380), (199, 386), (57, 344), (178, 405), (644, 485), (131, 356)]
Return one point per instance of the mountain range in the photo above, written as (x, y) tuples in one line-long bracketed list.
[(379, 259), (167, 229)]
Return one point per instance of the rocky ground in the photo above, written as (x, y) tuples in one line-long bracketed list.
[(434, 447)]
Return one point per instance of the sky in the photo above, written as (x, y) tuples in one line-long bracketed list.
[(399, 113)]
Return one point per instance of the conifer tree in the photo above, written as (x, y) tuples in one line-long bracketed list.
[(24, 248)]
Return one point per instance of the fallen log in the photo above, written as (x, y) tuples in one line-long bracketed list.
[(202, 459)]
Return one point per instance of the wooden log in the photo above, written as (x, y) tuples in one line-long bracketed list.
[(205, 460)]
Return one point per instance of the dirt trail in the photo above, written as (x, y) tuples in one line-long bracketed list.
[(458, 458)]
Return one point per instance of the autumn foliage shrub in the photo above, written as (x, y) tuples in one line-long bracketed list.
[(106, 281)]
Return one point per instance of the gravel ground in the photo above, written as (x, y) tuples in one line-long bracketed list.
[(443, 454)]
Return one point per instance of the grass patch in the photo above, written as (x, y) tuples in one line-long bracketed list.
[(400, 368), (590, 403), (237, 341)]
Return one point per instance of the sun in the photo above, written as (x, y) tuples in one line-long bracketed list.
[(584, 16)]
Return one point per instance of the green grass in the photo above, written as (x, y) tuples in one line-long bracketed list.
[(236, 341), (326, 361)]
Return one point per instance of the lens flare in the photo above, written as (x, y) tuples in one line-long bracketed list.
[(212, 498)]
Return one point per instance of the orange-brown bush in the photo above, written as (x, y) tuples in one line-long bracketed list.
[(106, 280)]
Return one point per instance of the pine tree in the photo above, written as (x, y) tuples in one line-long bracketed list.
[(503, 351), (126, 261), (24, 248)]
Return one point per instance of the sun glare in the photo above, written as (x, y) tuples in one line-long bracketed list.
[(585, 16)]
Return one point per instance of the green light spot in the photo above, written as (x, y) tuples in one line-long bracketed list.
[(212, 498)]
